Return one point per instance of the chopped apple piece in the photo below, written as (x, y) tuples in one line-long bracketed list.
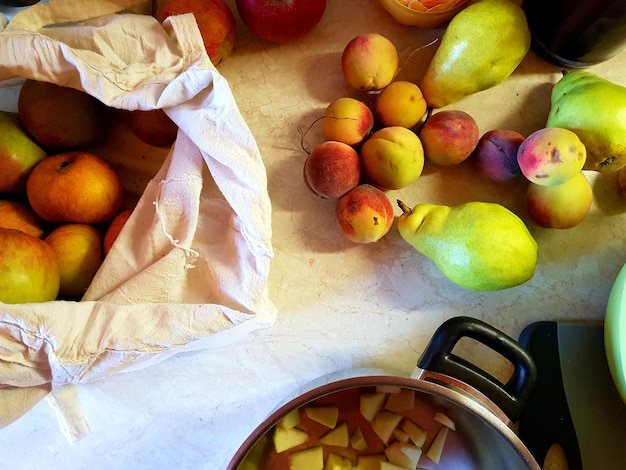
[(416, 433), (403, 454), (287, 438), (370, 462), (384, 424), (290, 420), (436, 448), (445, 420), (370, 403), (337, 462), (391, 466), (401, 435), (340, 436), (307, 459), (404, 400), (326, 415), (357, 440)]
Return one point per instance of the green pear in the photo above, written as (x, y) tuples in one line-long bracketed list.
[(595, 110), (478, 245), (19, 154), (480, 48)]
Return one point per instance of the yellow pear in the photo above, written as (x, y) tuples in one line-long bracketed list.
[(477, 245), (480, 48)]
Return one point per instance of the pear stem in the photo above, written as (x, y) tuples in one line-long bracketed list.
[(406, 209)]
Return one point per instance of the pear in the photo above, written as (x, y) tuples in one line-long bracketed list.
[(478, 245), (480, 48), (594, 109)]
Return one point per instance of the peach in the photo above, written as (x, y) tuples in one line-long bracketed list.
[(369, 62), (364, 214), (400, 104), (332, 169), (347, 120), (449, 137), (551, 156), (393, 157), (563, 205), (496, 154)]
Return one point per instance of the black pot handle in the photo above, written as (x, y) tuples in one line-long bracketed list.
[(438, 357)]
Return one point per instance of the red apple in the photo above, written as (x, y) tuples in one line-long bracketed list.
[(153, 127), (281, 20), (78, 248), (28, 269), (75, 187), (215, 22)]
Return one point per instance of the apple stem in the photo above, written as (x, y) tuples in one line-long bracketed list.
[(405, 209)]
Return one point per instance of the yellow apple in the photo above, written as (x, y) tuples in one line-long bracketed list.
[(75, 187), (19, 216), (19, 154), (78, 248), (28, 269)]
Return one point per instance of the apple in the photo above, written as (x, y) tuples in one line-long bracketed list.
[(563, 205), (20, 216), (369, 62), (332, 169), (400, 104), (449, 137), (153, 127), (364, 214), (347, 120), (75, 187), (114, 229), (216, 23), (78, 248), (18, 154), (61, 118), (551, 156), (281, 21), (28, 268), (393, 157)]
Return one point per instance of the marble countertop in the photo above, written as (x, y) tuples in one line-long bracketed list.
[(341, 305)]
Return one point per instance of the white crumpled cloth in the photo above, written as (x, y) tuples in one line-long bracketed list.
[(191, 266)]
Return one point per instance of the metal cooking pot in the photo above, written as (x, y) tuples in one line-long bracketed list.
[(482, 408)]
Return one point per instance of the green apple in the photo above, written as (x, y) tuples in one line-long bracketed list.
[(78, 248), (18, 154), (28, 269)]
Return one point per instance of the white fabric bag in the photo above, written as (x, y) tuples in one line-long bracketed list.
[(191, 266)]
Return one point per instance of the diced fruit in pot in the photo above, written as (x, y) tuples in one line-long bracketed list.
[(403, 454), (290, 420), (371, 403), (401, 401), (442, 418), (337, 462), (370, 462), (326, 415), (339, 437), (307, 459), (400, 435), (384, 424), (436, 448), (391, 466), (357, 440), (287, 438), (416, 433)]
